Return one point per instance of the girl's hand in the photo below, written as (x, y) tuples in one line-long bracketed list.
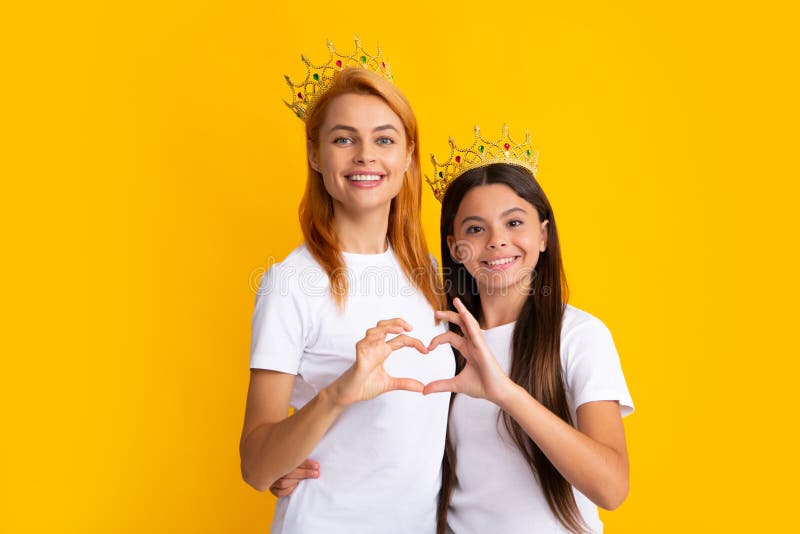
[(482, 377), (367, 379), (287, 483)]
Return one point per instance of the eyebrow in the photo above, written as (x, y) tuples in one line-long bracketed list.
[(481, 219), (352, 129)]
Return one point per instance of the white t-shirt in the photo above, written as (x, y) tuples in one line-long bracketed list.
[(495, 489), (380, 462)]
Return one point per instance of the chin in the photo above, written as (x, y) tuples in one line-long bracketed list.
[(504, 283)]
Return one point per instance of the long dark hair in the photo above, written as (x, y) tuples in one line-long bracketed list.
[(536, 360)]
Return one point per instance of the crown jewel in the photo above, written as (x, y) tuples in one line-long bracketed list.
[(319, 78), (482, 152)]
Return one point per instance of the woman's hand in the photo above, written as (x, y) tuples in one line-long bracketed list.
[(367, 379), (287, 483), (482, 377)]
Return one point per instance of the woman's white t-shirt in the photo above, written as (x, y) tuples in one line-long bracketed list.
[(495, 489), (380, 462)]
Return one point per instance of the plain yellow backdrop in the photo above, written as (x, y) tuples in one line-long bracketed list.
[(150, 172)]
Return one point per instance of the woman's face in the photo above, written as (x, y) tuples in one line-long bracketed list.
[(498, 237), (362, 153)]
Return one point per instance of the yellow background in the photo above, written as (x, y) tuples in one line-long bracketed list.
[(150, 172)]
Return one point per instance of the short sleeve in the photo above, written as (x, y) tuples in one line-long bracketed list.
[(593, 369), (280, 323)]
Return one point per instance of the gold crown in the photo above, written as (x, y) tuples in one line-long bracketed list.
[(319, 78), (482, 152)]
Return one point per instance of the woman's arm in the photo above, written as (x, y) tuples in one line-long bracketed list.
[(593, 457), (273, 444)]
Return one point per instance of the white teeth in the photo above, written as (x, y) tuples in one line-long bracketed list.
[(500, 262), (364, 177)]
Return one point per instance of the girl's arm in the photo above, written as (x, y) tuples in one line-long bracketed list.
[(273, 444), (593, 457), (288, 483)]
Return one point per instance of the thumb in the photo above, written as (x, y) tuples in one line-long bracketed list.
[(441, 386), (405, 384)]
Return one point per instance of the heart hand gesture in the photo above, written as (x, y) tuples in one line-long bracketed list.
[(367, 378), (482, 377)]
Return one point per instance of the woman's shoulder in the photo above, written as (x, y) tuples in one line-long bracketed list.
[(300, 256), (298, 269)]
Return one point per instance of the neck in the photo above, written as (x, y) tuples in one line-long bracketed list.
[(362, 232), (498, 309)]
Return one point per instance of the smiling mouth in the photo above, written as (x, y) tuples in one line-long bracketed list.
[(500, 261), (364, 177)]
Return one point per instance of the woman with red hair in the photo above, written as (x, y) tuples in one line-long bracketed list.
[(363, 267)]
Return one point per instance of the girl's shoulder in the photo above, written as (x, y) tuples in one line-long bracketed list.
[(577, 322), (592, 368)]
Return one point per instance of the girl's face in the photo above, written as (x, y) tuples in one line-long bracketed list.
[(498, 237), (362, 153)]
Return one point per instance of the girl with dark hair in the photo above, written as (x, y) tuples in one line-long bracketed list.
[(535, 436)]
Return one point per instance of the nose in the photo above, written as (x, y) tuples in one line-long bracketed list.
[(497, 239), (365, 153)]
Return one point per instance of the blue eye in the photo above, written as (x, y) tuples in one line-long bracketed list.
[(342, 141), (385, 141)]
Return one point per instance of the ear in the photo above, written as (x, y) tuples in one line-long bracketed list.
[(451, 244), (410, 156), (545, 234), (313, 155)]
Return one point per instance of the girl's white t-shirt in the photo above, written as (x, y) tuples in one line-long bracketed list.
[(495, 489), (380, 462)]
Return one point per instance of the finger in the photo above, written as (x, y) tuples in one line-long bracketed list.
[(379, 333), (455, 341), (407, 341), (281, 487), (395, 322), (405, 384), (302, 474), (449, 316), (441, 386), (284, 483), (470, 324), (282, 492), (308, 463)]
